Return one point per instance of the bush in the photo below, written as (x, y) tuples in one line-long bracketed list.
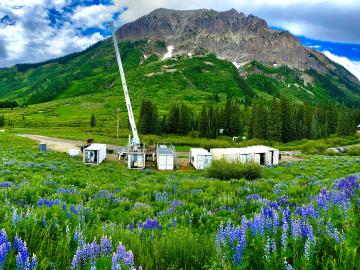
[(225, 170), (353, 151)]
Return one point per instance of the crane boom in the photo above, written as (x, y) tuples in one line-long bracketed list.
[(135, 139)]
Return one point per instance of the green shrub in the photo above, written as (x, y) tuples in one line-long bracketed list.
[(225, 170), (353, 151), (313, 147)]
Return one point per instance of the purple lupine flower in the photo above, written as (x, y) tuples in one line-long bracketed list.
[(307, 249), (122, 256), (115, 265), (240, 250), (75, 263), (150, 224), (5, 247), (5, 184), (253, 197), (22, 257), (47, 202), (284, 235), (33, 264), (288, 266), (295, 228), (307, 211), (105, 245), (15, 219)]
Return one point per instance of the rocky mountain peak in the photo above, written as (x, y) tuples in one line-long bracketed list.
[(229, 34)]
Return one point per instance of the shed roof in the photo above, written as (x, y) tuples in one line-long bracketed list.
[(199, 151), (245, 150), (164, 150), (358, 126), (96, 146)]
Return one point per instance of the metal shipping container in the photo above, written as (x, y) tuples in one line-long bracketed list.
[(94, 154)]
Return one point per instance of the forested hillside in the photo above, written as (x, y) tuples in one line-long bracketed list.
[(66, 91)]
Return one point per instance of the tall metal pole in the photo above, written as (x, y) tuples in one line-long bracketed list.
[(135, 139), (117, 126)]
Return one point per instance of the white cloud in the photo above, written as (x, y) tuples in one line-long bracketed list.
[(96, 15), (33, 39), (352, 66)]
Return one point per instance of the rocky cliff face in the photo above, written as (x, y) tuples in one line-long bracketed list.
[(230, 35)]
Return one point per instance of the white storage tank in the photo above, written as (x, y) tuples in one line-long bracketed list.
[(200, 158), (95, 154), (165, 157)]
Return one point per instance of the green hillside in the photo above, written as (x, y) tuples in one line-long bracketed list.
[(65, 91)]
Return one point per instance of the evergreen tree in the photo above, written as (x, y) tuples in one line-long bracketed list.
[(286, 129), (163, 124), (346, 125), (234, 121), (314, 128), (92, 120), (227, 116), (300, 127), (203, 122), (148, 119), (2, 120), (274, 122), (184, 120), (173, 119), (252, 118), (260, 128)]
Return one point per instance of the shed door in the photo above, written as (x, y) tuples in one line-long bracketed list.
[(162, 162), (169, 162), (257, 158), (200, 161)]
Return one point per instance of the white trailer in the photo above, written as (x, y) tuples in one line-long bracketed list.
[(94, 154), (259, 154), (165, 157), (200, 158)]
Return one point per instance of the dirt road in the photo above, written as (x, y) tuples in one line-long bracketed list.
[(55, 144)]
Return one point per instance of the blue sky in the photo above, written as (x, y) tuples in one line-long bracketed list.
[(32, 31)]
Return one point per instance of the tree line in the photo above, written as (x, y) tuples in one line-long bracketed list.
[(277, 120), (8, 104)]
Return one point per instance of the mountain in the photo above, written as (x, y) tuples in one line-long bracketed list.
[(215, 54), (230, 35)]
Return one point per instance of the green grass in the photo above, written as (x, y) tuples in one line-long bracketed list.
[(191, 244)]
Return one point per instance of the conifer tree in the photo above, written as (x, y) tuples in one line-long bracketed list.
[(92, 120), (184, 119), (260, 128), (234, 121), (274, 122), (173, 119), (203, 122)]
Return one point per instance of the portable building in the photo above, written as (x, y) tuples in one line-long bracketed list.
[(94, 154), (135, 160), (200, 158), (259, 154), (358, 128), (165, 157)]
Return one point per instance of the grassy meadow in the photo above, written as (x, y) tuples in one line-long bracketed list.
[(296, 216)]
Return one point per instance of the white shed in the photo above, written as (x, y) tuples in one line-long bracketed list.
[(95, 154), (259, 154), (165, 157), (200, 158)]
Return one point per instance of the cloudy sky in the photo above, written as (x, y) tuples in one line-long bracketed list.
[(37, 30)]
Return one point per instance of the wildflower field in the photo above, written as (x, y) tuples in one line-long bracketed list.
[(57, 213)]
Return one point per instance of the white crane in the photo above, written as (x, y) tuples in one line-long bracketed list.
[(135, 152), (135, 141)]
